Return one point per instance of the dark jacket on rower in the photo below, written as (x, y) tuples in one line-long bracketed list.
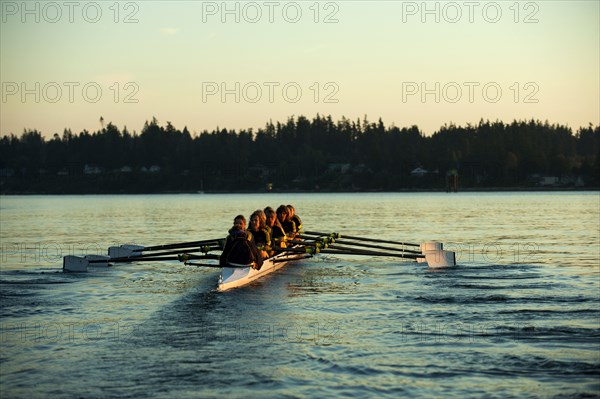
[(277, 233), (262, 238), (296, 219), (241, 250), (288, 226)]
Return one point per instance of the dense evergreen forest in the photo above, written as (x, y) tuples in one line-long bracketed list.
[(302, 155)]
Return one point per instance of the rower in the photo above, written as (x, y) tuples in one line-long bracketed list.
[(260, 232), (289, 227), (294, 218), (240, 249), (277, 232)]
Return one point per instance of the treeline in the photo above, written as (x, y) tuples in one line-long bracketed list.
[(301, 154)]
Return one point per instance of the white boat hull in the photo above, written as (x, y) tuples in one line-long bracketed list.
[(234, 277)]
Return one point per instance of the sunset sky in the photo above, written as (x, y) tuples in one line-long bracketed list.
[(64, 65)]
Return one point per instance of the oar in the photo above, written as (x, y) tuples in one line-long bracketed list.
[(72, 263), (351, 249), (136, 250), (319, 247), (369, 253), (189, 244), (129, 250), (333, 244), (299, 250), (290, 259), (330, 240), (434, 258), (337, 235), (360, 244), (185, 257), (203, 249), (215, 265), (154, 258)]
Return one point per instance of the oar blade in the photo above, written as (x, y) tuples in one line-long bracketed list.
[(76, 264), (440, 258), (124, 251)]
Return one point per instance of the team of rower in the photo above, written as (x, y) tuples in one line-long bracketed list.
[(267, 231)]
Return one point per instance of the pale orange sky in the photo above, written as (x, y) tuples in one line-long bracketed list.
[(194, 64)]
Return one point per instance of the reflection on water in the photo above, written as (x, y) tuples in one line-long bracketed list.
[(519, 315)]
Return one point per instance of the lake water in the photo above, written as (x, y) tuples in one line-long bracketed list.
[(518, 317)]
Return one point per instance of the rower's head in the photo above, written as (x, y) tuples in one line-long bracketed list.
[(282, 213), (262, 218), (291, 210), (239, 222), (254, 224), (270, 215)]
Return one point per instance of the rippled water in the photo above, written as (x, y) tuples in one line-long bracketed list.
[(519, 316)]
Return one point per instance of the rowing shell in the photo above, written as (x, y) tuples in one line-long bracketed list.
[(233, 277)]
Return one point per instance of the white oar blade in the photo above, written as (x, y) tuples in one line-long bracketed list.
[(440, 258), (125, 251), (73, 263)]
